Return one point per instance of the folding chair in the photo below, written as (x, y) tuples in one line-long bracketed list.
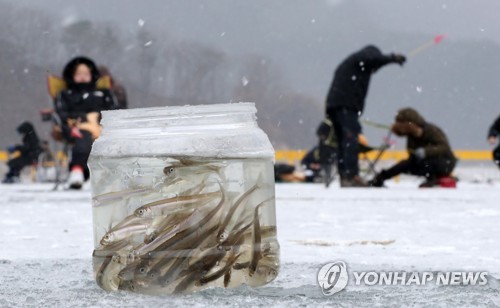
[(56, 85)]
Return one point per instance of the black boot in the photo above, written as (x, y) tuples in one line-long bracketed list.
[(378, 180), (11, 177)]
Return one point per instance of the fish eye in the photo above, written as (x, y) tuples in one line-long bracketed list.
[(142, 270), (168, 170)]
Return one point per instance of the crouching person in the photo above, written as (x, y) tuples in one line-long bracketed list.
[(29, 151), (430, 154)]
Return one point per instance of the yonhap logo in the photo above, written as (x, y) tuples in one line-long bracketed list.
[(332, 277)]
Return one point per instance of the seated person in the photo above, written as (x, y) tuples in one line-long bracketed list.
[(493, 134), (29, 151), (428, 147), (287, 173), (311, 169), (311, 164), (78, 108)]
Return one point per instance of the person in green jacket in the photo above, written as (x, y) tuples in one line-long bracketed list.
[(430, 155)]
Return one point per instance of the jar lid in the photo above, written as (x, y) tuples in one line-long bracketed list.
[(219, 130)]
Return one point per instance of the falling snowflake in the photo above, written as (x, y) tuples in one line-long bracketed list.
[(141, 22), (419, 89), (244, 81)]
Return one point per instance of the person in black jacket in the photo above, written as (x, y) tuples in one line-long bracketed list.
[(78, 109), (29, 151), (346, 101), (493, 134)]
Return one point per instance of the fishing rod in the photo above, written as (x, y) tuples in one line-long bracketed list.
[(376, 124), (436, 40)]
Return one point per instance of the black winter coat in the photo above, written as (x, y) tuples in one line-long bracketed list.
[(495, 129), (75, 104), (31, 144), (352, 79), (80, 99)]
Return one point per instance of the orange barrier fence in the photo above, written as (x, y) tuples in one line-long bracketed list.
[(291, 156)]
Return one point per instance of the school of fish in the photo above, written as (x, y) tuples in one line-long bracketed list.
[(202, 236)]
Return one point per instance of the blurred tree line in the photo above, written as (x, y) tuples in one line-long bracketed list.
[(156, 68)]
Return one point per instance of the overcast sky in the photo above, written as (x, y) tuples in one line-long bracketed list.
[(302, 37)]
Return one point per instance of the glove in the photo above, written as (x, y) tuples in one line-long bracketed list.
[(419, 153), (12, 149), (398, 58)]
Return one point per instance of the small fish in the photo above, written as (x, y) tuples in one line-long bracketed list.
[(187, 238), (182, 256), (127, 273), (108, 251), (188, 281), (166, 224), (215, 254), (108, 275), (176, 171), (240, 266), (227, 278), (268, 272), (118, 195), (122, 234), (195, 222), (171, 235), (100, 275), (186, 168), (235, 238), (225, 269), (224, 229), (257, 248), (164, 206), (206, 262)]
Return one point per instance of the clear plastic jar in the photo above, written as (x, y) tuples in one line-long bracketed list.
[(183, 199)]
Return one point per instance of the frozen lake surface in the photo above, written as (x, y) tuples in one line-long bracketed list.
[(47, 244)]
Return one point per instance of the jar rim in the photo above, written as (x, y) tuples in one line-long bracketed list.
[(182, 111), (218, 130)]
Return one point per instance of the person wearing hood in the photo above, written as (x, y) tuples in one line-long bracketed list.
[(78, 108), (29, 151), (345, 104), (493, 135), (429, 151)]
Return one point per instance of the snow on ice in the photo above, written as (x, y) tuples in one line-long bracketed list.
[(47, 244)]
